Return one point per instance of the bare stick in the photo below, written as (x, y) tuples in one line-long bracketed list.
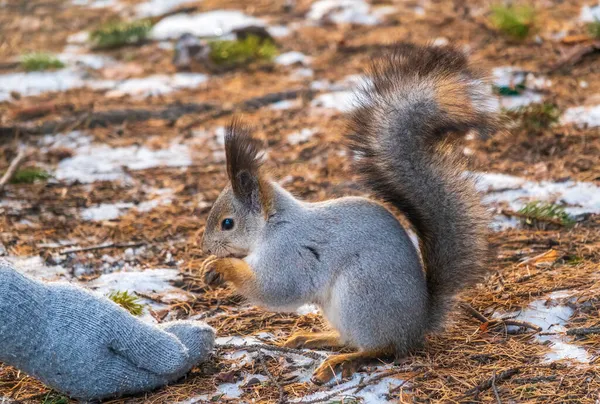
[(102, 247), (263, 365), (486, 384), (477, 315), (358, 386), (583, 331), (12, 168), (273, 348), (495, 389)]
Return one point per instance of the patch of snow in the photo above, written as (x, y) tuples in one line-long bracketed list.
[(88, 60), (585, 116), (211, 23), (157, 84), (81, 37), (590, 13), (342, 101), (230, 390), (552, 317), (154, 8), (148, 281), (510, 77), (105, 211), (100, 162), (279, 31), (377, 392), (236, 340), (286, 104), (302, 73), (36, 268), (302, 136), (293, 57), (343, 11), (307, 309), (36, 83), (114, 4), (579, 197)]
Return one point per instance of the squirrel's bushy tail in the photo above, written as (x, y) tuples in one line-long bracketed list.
[(400, 135)]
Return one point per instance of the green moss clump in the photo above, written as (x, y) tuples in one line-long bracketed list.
[(594, 29), (238, 52), (40, 61), (515, 21), (116, 34), (128, 301), (54, 399), (537, 214), (534, 118), (29, 176)]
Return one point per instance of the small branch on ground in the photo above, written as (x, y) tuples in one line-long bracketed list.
[(359, 386), (495, 389), (487, 384), (583, 331), (101, 247), (574, 56), (263, 365), (474, 313), (273, 348), (12, 168)]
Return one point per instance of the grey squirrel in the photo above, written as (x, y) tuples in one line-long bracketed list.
[(351, 256)]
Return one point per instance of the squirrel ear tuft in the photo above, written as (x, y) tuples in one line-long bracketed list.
[(244, 161)]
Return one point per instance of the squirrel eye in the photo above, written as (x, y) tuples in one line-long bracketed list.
[(227, 224)]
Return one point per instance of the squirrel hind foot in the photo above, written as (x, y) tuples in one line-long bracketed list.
[(347, 364), (311, 340)]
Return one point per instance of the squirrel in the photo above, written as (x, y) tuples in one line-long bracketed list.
[(351, 256)]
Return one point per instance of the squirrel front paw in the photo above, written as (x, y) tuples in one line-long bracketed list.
[(210, 272)]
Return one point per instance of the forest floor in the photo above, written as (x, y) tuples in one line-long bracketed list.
[(124, 157)]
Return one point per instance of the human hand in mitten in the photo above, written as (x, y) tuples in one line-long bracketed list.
[(87, 346)]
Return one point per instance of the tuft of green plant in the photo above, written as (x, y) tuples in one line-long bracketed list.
[(238, 52), (128, 301), (120, 33), (53, 399), (515, 21), (540, 214), (29, 175), (594, 28), (40, 61), (517, 89), (535, 117)]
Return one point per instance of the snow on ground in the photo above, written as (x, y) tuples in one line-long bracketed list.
[(36, 268), (211, 23), (100, 162), (552, 316), (578, 197), (157, 84), (347, 12), (154, 8), (293, 57), (112, 211), (590, 13), (36, 83), (342, 101), (378, 392), (511, 77), (148, 282), (286, 104), (584, 116), (302, 136)]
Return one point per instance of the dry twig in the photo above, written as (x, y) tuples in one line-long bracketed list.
[(12, 168)]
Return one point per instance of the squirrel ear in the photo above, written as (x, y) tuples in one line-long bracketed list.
[(247, 189)]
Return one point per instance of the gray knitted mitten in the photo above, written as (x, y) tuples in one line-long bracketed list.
[(88, 347)]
